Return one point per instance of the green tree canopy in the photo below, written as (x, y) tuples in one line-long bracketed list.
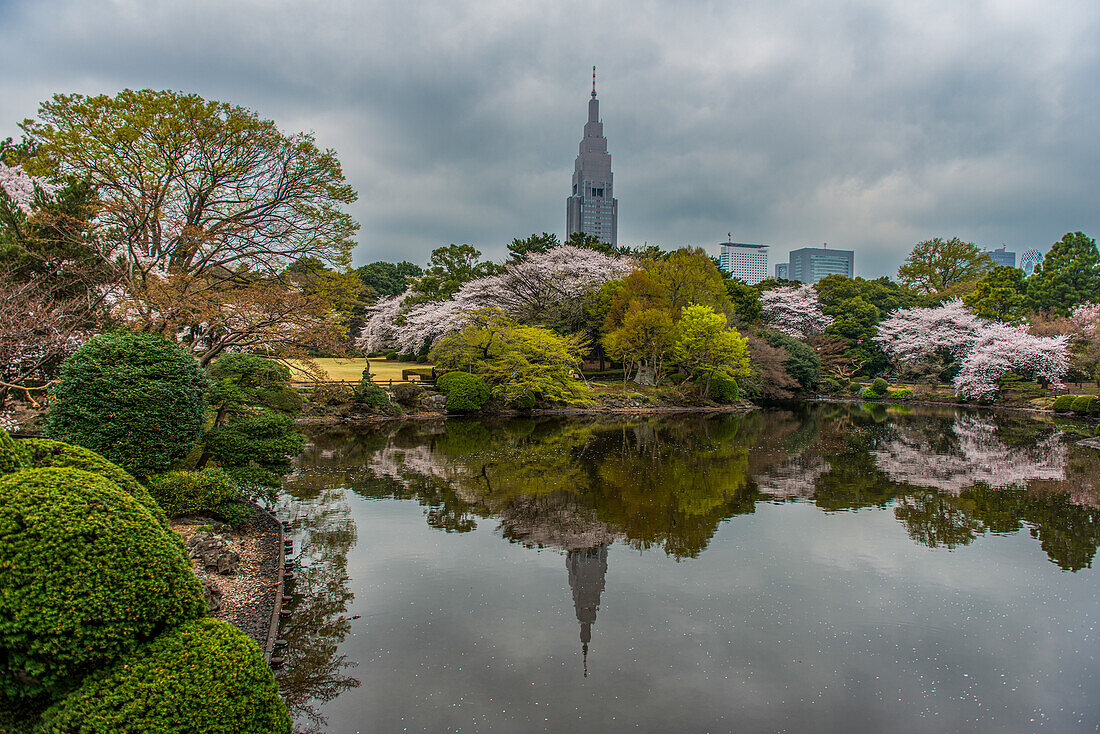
[(999, 296), (939, 266), (706, 345), (645, 339), (519, 249), (689, 276), (1068, 276), (388, 279), (449, 269), (520, 362)]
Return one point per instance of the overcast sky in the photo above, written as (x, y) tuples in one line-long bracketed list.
[(867, 124)]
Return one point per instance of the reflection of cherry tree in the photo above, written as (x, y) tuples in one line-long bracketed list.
[(795, 478), (978, 456)]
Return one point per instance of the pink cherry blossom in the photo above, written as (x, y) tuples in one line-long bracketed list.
[(794, 311)]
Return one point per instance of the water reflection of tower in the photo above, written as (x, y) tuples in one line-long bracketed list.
[(587, 569)]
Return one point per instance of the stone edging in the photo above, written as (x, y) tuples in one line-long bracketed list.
[(273, 626)]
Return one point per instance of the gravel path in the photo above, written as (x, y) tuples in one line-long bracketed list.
[(248, 596)]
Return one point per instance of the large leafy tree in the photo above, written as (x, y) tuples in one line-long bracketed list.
[(689, 276), (1068, 276), (388, 279), (706, 346), (520, 362), (198, 201), (449, 269), (519, 249), (645, 339), (939, 266), (999, 295)]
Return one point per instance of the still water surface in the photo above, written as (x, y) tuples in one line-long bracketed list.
[(819, 569)]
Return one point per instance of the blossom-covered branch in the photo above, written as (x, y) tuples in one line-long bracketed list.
[(794, 311)]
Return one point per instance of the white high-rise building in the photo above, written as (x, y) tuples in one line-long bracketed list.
[(592, 207), (744, 261)]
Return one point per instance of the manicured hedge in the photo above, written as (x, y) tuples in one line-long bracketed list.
[(86, 574), (880, 385), (465, 392), (1084, 404), (42, 453), (211, 490), (204, 676), (1063, 402), (138, 400)]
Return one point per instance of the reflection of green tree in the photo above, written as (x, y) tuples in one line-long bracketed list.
[(315, 672), (936, 521)]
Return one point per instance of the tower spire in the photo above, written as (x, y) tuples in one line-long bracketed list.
[(593, 81)]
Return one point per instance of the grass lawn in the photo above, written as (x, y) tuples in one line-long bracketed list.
[(351, 370)]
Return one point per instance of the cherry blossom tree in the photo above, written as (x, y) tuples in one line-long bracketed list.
[(19, 186), (794, 311), (986, 350), (553, 287)]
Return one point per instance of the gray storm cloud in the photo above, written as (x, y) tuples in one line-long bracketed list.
[(868, 125)]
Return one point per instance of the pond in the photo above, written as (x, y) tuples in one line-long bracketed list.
[(823, 567)]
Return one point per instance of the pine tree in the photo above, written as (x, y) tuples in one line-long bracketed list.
[(1068, 276)]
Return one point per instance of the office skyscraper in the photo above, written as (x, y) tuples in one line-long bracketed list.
[(811, 264), (592, 208), (1002, 256), (745, 261)]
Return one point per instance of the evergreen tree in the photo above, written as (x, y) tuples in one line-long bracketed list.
[(1068, 276), (999, 296)]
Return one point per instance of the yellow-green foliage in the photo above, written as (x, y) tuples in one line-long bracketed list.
[(11, 454), (204, 676), (41, 453), (86, 574), (1084, 404), (1063, 402)]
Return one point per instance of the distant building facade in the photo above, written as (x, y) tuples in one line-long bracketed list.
[(1001, 256), (592, 207), (745, 261), (782, 271), (811, 264)]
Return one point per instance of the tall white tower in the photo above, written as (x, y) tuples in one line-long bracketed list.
[(592, 207)]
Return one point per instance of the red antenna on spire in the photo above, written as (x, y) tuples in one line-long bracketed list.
[(593, 81)]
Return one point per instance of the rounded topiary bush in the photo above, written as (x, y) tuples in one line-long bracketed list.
[(723, 389), (185, 492), (136, 399), (465, 392), (407, 394), (204, 676), (86, 575), (367, 393), (879, 386), (1063, 402), (1084, 404), (42, 453)]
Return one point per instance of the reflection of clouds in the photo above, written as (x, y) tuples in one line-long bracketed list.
[(979, 456), (794, 478)]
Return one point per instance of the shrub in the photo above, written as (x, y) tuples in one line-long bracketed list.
[(204, 676), (333, 393), (391, 355), (367, 393), (830, 386), (188, 492), (855, 388), (880, 386), (12, 458), (407, 394), (524, 402), (87, 575), (257, 450), (901, 394), (1063, 403), (1096, 431), (42, 453), (870, 393), (465, 392), (1084, 404), (723, 389), (135, 399)]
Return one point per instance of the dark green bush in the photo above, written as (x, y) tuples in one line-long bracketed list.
[(802, 363), (724, 389), (42, 453), (136, 399), (367, 393), (855, 388), (407, 394), (391, 355), (204, 676), (12, 458), (830, 386), (880, 386), (1084, 404), (465, 392), (524, 402), (1063, 403), (211, 490), (257, 450), (86, 575)]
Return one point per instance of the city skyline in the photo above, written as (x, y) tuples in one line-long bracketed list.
[(870, 127)]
